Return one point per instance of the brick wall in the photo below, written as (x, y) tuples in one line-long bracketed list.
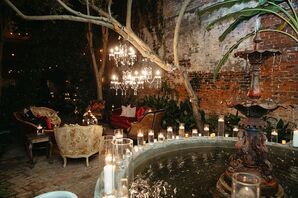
[(279, 74)]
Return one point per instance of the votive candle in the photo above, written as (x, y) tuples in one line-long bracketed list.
[(181, 130), (194, 132), (206, 129), (150, 136), (169, 133), (283, 142), (140, 138), (160, 137)]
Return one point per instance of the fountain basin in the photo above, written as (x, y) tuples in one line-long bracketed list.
[(191, 167)]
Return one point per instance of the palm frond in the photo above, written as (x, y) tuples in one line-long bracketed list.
[(232, 27), (219, 5), (227, 54)]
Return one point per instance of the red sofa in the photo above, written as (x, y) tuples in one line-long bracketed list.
[(123, 122)]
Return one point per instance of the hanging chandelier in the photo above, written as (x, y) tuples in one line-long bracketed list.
[(123, 55), (135, 80)]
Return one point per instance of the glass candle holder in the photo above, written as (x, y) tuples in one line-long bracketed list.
[(107, 144), (140, 138), (221, 126), (169, 133), (206, 129), (181, 130), (123, 191), (39, 130), (274, 136), (118, 133), (122, 151), (161, 137), (194, 132), (245, 185), (109, 176), (235, 131), (150, 136), (295, 138)]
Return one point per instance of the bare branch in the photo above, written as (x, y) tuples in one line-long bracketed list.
[(128, 14), (176, 33), (109, 8), (59, 17), (77, 13)]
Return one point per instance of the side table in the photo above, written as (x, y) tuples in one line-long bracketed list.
[(32, 139)]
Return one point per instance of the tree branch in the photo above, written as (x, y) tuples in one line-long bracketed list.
[(59, 17), (77, 13), (128, 14)]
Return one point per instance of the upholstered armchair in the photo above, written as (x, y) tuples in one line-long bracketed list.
[(28, 126), (150, 120), (75, 141)]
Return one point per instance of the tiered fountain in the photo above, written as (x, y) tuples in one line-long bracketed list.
[(251, 155)]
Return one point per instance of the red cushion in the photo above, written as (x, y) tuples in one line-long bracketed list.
[(140, 112), (120, 121)]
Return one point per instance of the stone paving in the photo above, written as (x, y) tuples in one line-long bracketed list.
[(21, 181)]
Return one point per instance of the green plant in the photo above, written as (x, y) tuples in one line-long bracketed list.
[(284, 129), (264, 7), (231, 120)]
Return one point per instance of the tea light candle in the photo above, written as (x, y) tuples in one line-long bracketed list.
[(136, 149), (226, 135), (245, 192), (274, 136), (155, 140), (186, 135), (295, 138), (39, 129), (235, 130), (200, 134), (177, 137), (108, 172), (212, 135), (283, 142)]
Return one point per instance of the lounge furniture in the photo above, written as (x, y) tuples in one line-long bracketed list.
[(75, 141), (150, 120), (28, 126)]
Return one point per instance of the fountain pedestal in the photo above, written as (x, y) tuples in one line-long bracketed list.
[(251, 150)]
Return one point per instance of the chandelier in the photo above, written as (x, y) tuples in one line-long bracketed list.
[(135, 80), (123, 55)]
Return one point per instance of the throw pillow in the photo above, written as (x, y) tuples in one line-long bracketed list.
[(131, 112), (124, 111), (140, 112)]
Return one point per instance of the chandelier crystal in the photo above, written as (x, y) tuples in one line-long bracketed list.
[(123, 55), (135, 80)]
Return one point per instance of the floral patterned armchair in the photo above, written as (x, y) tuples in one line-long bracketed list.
[(75, 141)]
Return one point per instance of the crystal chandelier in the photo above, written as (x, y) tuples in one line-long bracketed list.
[(123, 55), (135, 81)]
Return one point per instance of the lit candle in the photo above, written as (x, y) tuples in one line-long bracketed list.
[(136, 149), (200, 134), (212, 135), (221, 126), (226, 135), (155, 140), (235, 130), (283, 142), (194, 132), (206, 129), (186, 135), (160, 137), (169, 133), (274, 136), (177, 137), (181, 130), (150, 136), (108, 172), (245, 192), (39, 129), (295, 138), (140, 138)]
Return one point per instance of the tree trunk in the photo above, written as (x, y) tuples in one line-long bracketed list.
[(105, 40), (192, 95), (94, 63)]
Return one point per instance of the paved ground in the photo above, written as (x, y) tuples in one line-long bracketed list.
[(17, 179)]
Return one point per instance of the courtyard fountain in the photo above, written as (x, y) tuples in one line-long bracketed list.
[(251, 151)]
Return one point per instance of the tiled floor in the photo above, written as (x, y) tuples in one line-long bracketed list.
[(20, 180)]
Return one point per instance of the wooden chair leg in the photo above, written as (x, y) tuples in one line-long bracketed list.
[(87, 161), (65, 162)]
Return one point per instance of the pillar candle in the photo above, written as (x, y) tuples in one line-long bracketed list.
[(108, 172), (295, 138)]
